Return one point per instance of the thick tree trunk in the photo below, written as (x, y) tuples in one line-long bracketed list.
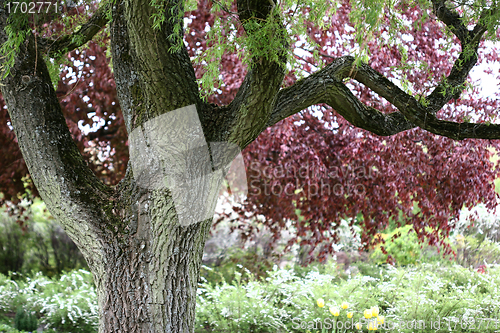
[(145, 257), (150, 274), (144, 262)]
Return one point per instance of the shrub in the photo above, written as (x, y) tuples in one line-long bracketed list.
[(13, 245), (68, 304), (473, 252), (405, 249), (25, 321), (480, 223), (287, 303), (4, 328), (42, 245)]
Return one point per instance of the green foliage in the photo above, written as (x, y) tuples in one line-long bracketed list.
[(41, 246), (256, 266), (284, 301), (263, 39), (25, 321), (473, 252), (21, 25), (4, 328), (68, 304), (16, 31), (174, 10), (405, 249), (476, 237), (13, 245), (367, 18)]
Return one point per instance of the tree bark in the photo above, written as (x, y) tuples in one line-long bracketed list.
[(151, 268), (145, 264)]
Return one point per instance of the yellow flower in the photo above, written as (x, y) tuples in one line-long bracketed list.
[(368, 313), (350, 314), (358, 326), (334, 311), (321, 302), (372, 326), (380, 320), (344, 305), (374, 311)]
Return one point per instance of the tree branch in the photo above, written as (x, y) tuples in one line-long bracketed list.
[(325, 86), (252, 105), (453, 85), (153, 73), (452, 20), (68, 43), (67, 185)]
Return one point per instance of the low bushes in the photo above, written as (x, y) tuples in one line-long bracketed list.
[(67, 304), (421, 295), (41, 245), (430, 296)]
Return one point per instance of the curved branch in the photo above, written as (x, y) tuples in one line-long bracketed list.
[(452, 20), (453, 85), (55, 48), (325, 86)]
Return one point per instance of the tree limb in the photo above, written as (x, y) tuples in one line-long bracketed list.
[(55, 48), (453, 85), (67, 185), (252, 105), (452, 20), (325, 86)]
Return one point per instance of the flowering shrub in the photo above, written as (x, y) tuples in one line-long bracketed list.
[(479, 222)]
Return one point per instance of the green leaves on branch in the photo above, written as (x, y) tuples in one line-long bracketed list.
[(255, 39), (174, 10), (45, 24), (16, 31)]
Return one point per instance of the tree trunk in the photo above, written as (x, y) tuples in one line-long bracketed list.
[(143, 249), (145, 264), (149, 279)]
